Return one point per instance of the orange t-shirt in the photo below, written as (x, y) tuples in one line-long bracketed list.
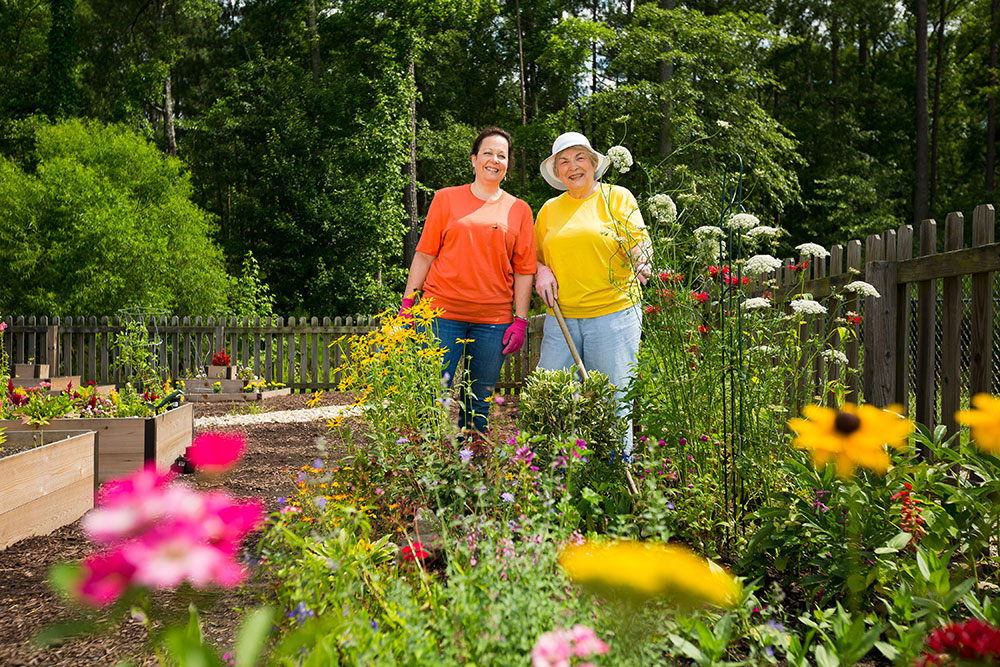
[(478, 246)]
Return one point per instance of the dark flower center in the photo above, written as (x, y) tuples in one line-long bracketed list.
[(846, 423)]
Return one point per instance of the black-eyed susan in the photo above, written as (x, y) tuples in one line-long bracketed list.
[(854, 435), (984, 420), (648, 570)]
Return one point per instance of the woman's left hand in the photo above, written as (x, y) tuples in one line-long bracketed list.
[(643, 271), (513, 338)]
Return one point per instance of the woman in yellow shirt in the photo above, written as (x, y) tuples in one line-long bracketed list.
[(593, 252)]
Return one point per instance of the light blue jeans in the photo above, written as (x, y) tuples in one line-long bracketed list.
[(609, 344), (483, 360)]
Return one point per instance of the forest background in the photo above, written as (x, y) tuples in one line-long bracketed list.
[(208, 156)]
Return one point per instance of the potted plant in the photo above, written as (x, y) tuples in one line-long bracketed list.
[(221, 367)]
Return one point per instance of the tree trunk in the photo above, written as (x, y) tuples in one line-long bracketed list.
[(60, 92), (410, 195), (835, 53), (991, 115), (936, 109), (169, 134), (921, 157), (524, 108), (314, 40), (666, 146)]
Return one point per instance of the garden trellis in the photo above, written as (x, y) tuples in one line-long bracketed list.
[(299, 352)]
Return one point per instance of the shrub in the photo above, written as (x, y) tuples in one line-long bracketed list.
[(555, 404)]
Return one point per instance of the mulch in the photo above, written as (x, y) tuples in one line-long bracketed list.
[(275, 452)]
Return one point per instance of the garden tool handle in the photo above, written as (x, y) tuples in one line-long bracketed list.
[(569, 339)]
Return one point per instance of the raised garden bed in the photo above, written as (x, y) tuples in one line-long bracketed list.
[(202, 396), (31, 370), (126, 443), (56, 384), (46, 487)]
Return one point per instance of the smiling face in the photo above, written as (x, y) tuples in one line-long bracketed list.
[(575, 168), (490, 162)]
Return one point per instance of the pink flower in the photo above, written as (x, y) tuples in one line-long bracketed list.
[(106, 575), (586, 642), (552, 649), (216, 452), (127, 506), (168, 558)]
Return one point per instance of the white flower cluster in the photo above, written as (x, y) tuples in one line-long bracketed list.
[(862, 288), (763, 232), (761, 264), (835, 356), (621, 158), (764, 349), (757, 303), (663, 208), (723, 124), (743, 221), (808, 307), (812, 250), (708, 232)]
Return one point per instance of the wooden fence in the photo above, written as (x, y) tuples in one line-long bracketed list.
[(296, 351), (928, 342)]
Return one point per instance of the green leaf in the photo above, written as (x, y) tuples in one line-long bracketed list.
[(925, 571), (252, 636), (825, 657), (888, 650), (856, 583)]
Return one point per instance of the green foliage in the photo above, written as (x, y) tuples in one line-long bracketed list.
[(102, 221), (249, 295), (555, 404)]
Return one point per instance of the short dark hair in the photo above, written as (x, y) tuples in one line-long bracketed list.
[(489, 132)]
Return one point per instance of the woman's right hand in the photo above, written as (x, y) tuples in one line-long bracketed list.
[(546, 285), (404, 309)]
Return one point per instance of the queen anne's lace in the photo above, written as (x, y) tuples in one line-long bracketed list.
[(760, 264), (862, 288), (757, 303), (744, 221), (834, 355), (812, 250), (663, 208), (621, 158), (808, 307)]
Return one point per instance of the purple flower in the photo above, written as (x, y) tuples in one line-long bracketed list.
[(318, 464), (321, 502), (402, 441), (465, 455), (507, 497), (670, 506), (683, 441)]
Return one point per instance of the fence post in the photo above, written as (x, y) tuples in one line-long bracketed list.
[(981, 361), (880, 334), (52, 347), (926, 412)]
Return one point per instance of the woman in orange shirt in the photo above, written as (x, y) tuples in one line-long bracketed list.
[(476, 260)]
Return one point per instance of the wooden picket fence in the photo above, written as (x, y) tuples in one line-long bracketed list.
[(295, 351), (929, 341)]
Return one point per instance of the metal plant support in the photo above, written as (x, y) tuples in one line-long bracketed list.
[(731, 325)]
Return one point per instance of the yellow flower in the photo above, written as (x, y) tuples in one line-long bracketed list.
[(854, 435), (649, 569), (984, 421)]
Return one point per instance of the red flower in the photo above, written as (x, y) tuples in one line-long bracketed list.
[(801, 266), (670, 277), (973, 640), (414, 551), (704, 330), (650, 310), (854, 320), (700, 297), (220, 359)]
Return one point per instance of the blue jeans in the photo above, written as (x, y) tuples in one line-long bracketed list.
[(483, 360), (609, 344)]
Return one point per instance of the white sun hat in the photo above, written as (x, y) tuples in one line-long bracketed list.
[(569, 140)]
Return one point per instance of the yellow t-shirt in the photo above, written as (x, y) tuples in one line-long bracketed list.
[(586, 243)]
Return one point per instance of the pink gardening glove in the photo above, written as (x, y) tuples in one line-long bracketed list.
[(513, 338), (404, 309), (546, 285), (643, 271)]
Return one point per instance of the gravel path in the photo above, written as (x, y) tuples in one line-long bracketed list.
[(282, 416)]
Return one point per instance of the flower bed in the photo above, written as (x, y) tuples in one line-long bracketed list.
[(125, 443), (45, 487)]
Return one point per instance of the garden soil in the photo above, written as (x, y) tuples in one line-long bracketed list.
[(275, 452)]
